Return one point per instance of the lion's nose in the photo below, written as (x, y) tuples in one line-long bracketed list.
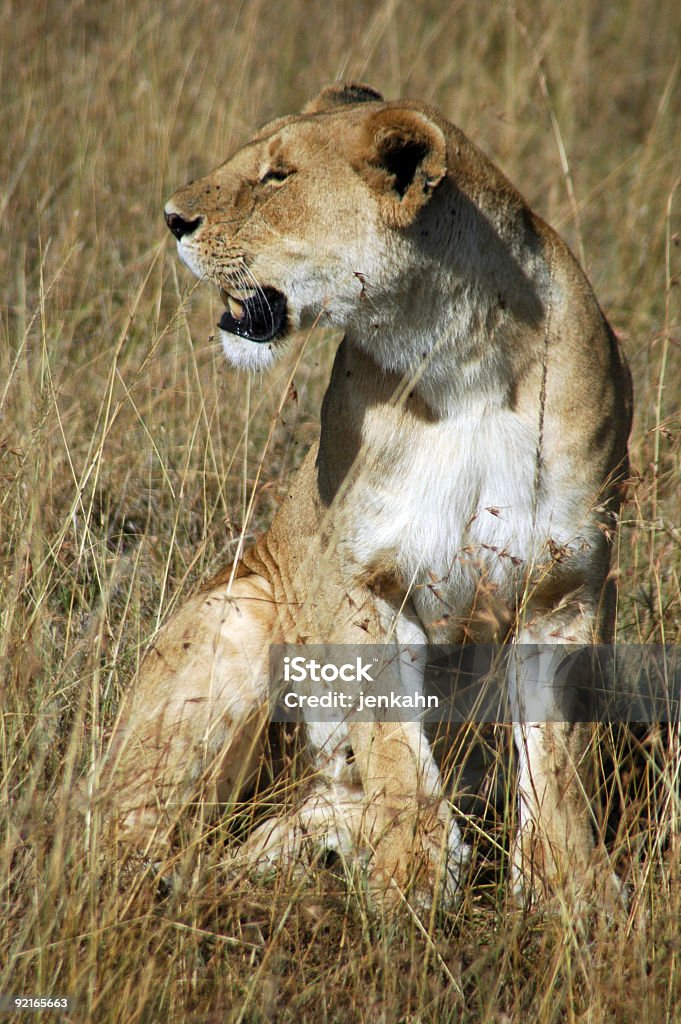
[(178, 225)]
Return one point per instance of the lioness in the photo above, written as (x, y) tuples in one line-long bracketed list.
[(465, 484)]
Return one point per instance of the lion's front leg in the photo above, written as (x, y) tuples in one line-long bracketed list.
[(194, 720), (554, 850), (416, 847), (407, 841)]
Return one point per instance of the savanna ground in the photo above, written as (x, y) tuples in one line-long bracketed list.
[(129, 455)]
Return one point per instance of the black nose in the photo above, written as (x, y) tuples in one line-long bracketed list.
[(179, 226)]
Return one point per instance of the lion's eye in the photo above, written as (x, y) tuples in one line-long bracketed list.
[(276, 175)]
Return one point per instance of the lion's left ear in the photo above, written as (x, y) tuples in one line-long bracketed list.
[(402, 155), (342, 94)]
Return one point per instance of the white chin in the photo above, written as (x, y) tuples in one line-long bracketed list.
[(249, 355)]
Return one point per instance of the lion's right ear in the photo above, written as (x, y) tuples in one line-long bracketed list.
[(341, 94), (402, 155)]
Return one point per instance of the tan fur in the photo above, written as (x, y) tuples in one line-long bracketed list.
[(465, 484)]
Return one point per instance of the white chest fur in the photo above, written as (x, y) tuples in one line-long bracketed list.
[(452, 500)]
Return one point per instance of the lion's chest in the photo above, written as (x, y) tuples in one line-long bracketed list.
[(449, 505)]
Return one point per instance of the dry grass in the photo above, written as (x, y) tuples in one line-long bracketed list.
[(128, 452)]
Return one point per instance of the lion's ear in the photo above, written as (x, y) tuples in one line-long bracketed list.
[(341, 94), (403, 157)]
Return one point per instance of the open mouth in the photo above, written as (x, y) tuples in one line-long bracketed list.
[(259, 317)]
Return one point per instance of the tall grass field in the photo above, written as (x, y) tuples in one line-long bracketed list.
[(132, 460)]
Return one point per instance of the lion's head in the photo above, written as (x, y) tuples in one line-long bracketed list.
[(312, 221)]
